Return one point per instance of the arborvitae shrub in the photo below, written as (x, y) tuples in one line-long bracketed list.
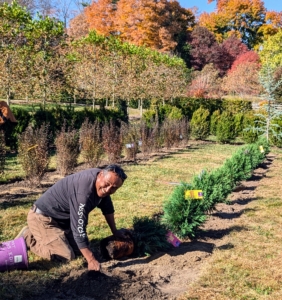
[(214, 120), (149, 236), (90, 140), (130, 137), (200, 124), (112, 141), (182, 216), (67, 149), (33, 153), (276, 134), (2, 151), (225, 129), (249, 135), (237, 105), (175, 114), (239, 124)]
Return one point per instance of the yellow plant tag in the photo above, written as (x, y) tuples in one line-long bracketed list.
[(261, 149), (194, 194)]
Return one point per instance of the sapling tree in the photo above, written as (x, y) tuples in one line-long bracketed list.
[(91, 143), (34, 153), (67, 149)]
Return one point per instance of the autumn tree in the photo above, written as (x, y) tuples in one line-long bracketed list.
[(247, 57), (205, 83), (156, 24), (271, 51), (78, 26), (243, 80), (14, 27), (100, 16), (204, 48), (242, 18)]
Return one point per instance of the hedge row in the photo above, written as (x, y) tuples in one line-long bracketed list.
[(55, 117), (226, 126), (184, 216)]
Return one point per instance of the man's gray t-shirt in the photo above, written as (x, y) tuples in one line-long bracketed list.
[(71, 199)]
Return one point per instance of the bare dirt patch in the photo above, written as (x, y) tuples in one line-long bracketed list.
[(161, 276)]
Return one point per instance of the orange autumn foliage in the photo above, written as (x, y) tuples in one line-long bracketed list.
[(156, 24), (242, 18)]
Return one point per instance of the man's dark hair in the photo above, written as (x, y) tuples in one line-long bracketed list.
[(116, 169)]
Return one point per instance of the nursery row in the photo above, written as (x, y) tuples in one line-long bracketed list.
[(95, 143), (183, 214)]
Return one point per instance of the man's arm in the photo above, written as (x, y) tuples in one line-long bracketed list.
[(110, 218), (93, 264)]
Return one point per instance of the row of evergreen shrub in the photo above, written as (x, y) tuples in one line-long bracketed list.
[(184, 216), (226, 126), (56, 117)]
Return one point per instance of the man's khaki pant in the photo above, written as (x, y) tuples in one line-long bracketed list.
[(46, 239)]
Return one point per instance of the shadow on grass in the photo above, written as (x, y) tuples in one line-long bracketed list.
[(7, 204), (218, 233)]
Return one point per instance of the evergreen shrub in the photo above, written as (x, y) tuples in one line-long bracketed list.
[(214, 120), (251, 121), (239, 123), (149, 236), (236, 105), (225, 129), (183, 217), (276, 134), (200, 124)]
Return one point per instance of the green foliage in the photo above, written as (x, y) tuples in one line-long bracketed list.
[(236, 105), (190, 105), (175, 114), (276, 133), (239, 123), (271, 50), (200, 124), (214, 120), (225, 129), (182, 216), (149, 236), (249, 134), (55, 117)]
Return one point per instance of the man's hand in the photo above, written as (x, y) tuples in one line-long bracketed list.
[(94, 265), (121, 233)]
